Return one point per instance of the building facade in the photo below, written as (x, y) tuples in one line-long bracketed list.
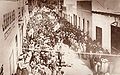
[(97, 18), (79, 13), (13, 22), (105, 25), (102, 27)]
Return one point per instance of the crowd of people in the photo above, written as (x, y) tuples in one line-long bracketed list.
[(44, 30), (39, 57), (82, 43)]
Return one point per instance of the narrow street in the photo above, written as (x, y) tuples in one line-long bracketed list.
[(78, 67), (71, 63), (60, 37)]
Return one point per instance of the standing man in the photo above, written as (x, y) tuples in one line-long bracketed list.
[(1, 70)]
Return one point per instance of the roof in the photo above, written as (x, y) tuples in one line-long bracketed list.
[(106, 13), (110, 7)]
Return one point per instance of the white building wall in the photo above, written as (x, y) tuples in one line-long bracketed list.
[(87, 16), (8, 49), (7, 45), (71, 8), (104, 22)]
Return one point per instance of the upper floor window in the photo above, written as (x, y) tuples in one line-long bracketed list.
[(8, 18)]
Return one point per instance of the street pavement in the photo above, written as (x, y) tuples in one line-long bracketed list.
[(78, 67)]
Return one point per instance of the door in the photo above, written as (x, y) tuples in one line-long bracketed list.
[(99, 35), (115, 38)]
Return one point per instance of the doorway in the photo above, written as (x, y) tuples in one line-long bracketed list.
[(99, 35), (115, 38)]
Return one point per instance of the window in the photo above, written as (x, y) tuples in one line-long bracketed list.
[(8, 18), (71, 19), (22, 10), (13, 14), (99, 35), (88, 26), (4, 22), (79, 21), (74, 19), (19, 15), (83, 25), (16, 41)]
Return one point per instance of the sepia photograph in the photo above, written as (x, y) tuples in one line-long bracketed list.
[(59, 37)]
